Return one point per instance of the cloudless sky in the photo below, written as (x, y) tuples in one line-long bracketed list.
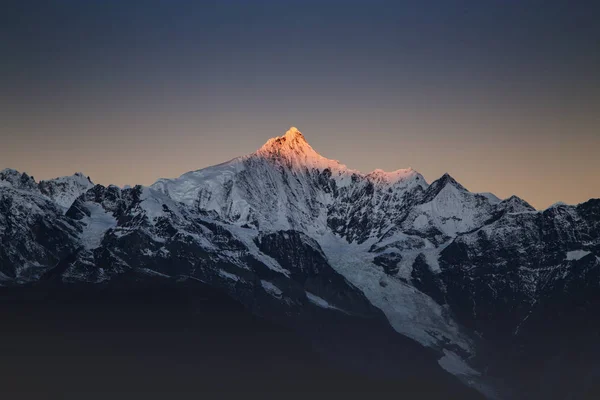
[(504, 95)]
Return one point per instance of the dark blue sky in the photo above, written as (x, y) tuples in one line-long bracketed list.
[(505, 95)]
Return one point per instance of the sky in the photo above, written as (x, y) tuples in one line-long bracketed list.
[(503, 95)]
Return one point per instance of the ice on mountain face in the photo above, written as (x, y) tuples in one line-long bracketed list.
[(409, 311), (208, 187), (450, 210), (155, 205), (96, 225)]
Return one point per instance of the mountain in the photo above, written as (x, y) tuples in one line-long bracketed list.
[(34, 232), (66, 189), (287, 185), (488, 290)]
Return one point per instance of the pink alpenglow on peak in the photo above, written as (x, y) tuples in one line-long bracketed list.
[(293, 133), (293, 150), (279, 158), (292, 140)]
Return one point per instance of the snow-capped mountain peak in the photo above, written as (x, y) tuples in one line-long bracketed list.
[(286, 184), (8, 171), (292, 140), (66, 189), (293, 133), (448, 179), (293, 150), (17, 180)]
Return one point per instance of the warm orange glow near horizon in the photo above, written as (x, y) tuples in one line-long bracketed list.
[(540, 173)]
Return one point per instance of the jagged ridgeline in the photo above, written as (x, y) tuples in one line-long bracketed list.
[(488, 290)]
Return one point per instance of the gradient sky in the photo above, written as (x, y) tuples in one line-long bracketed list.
[(503, 95)]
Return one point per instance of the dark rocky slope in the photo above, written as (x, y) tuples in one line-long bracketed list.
[(152, 337)]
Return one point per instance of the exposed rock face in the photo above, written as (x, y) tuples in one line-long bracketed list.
[(34, 233), (308, 266), (66, 189), (291, 234)]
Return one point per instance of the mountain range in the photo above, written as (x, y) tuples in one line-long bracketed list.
[(484, 291)]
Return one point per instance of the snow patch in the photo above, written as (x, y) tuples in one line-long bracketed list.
[(421, 222), (271, 288), (452, 363), (228, 275), (317, 300), (576, 254), (96, 225), (321, 302)]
